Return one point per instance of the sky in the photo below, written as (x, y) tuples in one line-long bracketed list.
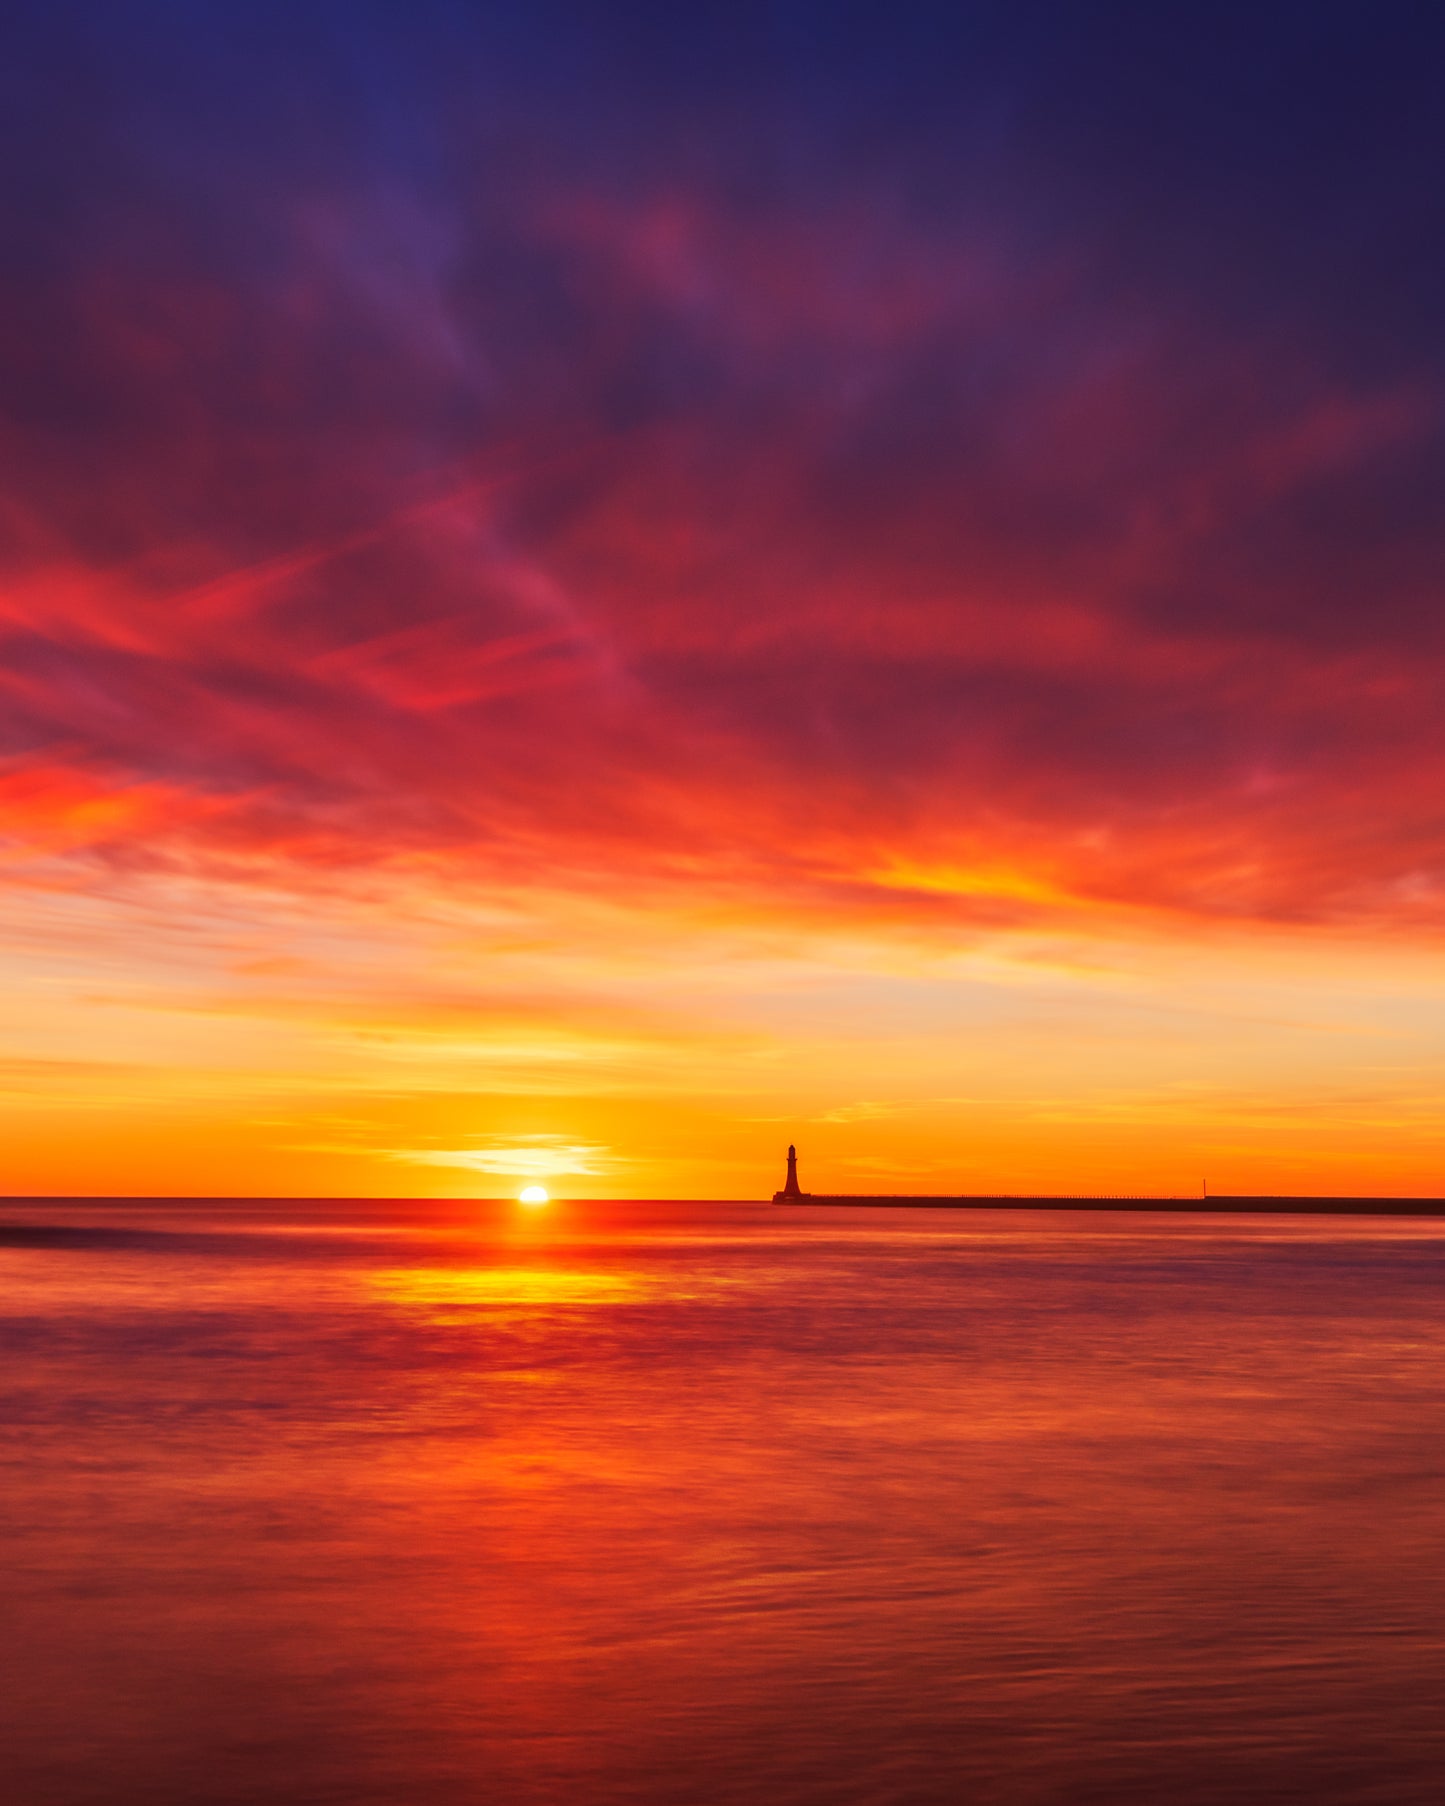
[(589, 592)]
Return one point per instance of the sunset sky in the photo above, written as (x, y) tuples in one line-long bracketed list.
[(587, 592)]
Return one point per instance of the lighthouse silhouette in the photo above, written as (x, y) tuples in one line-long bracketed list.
[(790, 1190)]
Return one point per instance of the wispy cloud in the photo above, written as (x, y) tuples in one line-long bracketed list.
[(543, 1157)]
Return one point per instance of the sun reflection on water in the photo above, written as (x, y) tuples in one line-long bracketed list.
[(526, 1288)]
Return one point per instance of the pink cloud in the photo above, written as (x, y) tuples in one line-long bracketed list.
[(820, 549)]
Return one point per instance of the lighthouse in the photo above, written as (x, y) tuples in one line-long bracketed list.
[(790, 1190)]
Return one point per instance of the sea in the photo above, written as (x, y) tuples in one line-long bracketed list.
[(423, 1502)]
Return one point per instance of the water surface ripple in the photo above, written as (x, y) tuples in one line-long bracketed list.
[(443, 1503)]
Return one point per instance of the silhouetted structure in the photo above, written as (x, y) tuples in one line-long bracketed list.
[(790, 1190), (1206, 1206)]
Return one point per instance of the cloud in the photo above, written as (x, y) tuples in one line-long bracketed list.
[(543, 1158), (644, 527)]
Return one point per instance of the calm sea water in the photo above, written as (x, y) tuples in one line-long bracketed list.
[(419, 1503)]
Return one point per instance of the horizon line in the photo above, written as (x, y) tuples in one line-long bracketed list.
[(986, 1197)]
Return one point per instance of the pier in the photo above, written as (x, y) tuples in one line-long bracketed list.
[(791, 1193)]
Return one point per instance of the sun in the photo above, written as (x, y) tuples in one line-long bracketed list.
[(533, 1194)]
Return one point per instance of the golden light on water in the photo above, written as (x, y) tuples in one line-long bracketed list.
[(533, 1194)]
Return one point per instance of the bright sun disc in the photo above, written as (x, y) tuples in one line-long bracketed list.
[(533, 1194)]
